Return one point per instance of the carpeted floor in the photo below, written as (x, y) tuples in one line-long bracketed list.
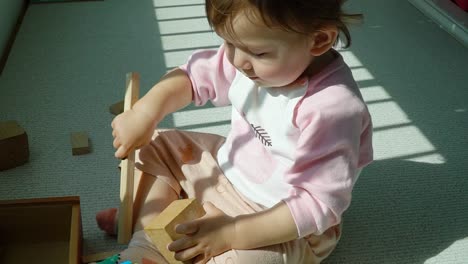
[(68, 65)]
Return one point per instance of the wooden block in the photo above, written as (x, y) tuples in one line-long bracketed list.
[(127, 168), (80, 143), (44, 230), (117, 108), (161, 228), (14, 146)]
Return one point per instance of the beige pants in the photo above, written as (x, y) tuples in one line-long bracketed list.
[(186, 161)]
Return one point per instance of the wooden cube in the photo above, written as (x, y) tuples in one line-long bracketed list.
[(80, 143), (117, 108), (46, 230), (14, 147), (161, 229)]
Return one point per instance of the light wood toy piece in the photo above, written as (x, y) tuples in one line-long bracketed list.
[(161, 228), (80, 143), (117, 108), (14, 147), (127, 169)]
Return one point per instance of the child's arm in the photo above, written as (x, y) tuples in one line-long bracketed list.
[(273, 226), (171, 93), (134, 128)]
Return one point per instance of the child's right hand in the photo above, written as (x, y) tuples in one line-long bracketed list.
[(131, 130)]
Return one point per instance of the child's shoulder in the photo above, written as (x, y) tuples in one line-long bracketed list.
[(333, 93), (334, 83)]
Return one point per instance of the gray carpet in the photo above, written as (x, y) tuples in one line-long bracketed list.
[(68, 65)]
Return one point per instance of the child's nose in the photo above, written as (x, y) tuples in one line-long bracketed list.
[(241, 61)]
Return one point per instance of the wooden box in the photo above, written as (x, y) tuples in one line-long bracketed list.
[(46, 230)]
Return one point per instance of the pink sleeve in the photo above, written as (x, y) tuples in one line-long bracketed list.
[(328, 155), (211, 75)]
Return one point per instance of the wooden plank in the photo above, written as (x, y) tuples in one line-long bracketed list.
[(161, 229), (75, 235), (41, 201), (125, 226)]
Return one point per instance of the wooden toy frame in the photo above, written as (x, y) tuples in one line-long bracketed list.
[(127, 169)]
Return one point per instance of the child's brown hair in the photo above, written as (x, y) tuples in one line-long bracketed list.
[(301, 16)]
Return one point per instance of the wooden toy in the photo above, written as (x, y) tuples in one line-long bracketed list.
[(127, 169), (117, 108), (14, 147), (45, 230), (161, 229), (80, 143)]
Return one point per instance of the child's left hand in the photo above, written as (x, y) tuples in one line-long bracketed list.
[(205, 237)]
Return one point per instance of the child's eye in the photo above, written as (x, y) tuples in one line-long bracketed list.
[(260, 54)]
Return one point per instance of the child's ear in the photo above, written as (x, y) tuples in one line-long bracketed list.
[(323, 40)]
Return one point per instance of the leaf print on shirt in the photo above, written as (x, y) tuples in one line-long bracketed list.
[(261, 134), (252, 159)]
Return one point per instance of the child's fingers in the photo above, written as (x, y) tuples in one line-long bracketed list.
[(116, 143), (181, 244), (121, 152), (186, 254), (200, 259), (187, 228)]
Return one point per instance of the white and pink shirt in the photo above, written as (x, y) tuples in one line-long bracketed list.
[(303, 145)]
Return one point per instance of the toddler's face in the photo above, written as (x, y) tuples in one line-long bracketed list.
[(270, 57)]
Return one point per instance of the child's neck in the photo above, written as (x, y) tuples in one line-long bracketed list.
[(319, 63)]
